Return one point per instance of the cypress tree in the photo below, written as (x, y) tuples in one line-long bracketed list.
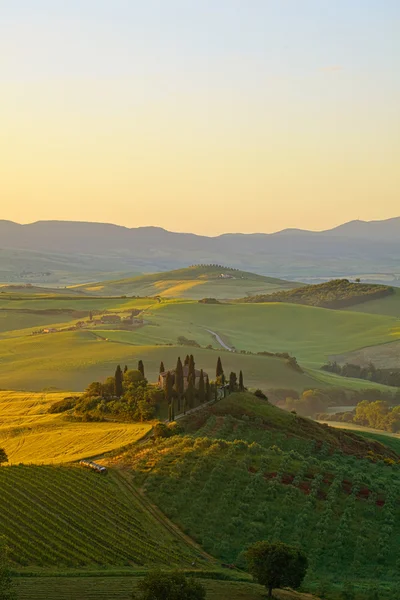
[(241, 384), (187, 360), (232, 382), (125, 368), (179, 385), (184, 405), (141, 367), (170, 412), (173, 410), (118, 378), (208, 390), (219, 370), (168, 388), (162, 368), (189, 394), (202, 391), (192, 369), (90, 316)]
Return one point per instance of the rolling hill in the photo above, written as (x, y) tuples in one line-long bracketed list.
[(337, 293), (196, 282), (53, 251), (256, 472)]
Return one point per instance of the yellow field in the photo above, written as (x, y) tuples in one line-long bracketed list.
[(30, 435)]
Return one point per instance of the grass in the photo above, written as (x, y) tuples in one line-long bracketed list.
[(30, 435), (71, 360), (120, 588), (311, 334), (248, 471), (384, 306), (72, 517), (194, 282)]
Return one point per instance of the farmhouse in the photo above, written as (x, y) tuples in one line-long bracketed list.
[(162, 377), (110, 319)]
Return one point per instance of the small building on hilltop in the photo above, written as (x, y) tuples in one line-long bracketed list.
[(163, 376)]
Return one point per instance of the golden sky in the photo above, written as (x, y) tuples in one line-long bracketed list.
[(199, 119)]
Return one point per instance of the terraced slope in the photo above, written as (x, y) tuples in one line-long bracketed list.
[(73, 517), (195, 282)]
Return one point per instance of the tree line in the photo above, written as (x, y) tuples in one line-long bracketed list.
[(338, 293), (378, 414), (370, 373)]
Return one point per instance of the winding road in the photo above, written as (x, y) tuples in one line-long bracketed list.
[(220, 341)]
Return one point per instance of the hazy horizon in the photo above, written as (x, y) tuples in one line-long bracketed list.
[(204, 117), (196, 233)]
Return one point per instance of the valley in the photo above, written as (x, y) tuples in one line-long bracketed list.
[(238, 469)]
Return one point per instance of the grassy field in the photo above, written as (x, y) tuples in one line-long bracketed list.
[(384, 356), (120, 588), (71, 360), (384, 306), (311, 334), (30, 435), (194, 282)]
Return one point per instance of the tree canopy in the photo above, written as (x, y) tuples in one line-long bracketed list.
[(157, 585), (276, 565), (3, 456)]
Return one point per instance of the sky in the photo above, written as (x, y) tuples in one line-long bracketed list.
[(207, 116)]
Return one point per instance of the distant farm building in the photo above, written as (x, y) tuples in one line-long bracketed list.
[(107, 319), (163, 376)]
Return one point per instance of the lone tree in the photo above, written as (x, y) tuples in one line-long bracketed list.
[(241, 384), (118, 379), (162, 368), (141, 367), (202, 389), (219, 370), (169, 586), (3, 456), (276, 565)]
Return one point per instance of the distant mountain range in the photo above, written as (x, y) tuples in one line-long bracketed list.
[(66, 251)]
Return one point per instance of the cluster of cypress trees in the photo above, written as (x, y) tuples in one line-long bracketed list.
[(119, 378), (175, 389)]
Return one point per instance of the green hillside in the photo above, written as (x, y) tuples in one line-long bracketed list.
[(72, 517), (71, 360), (338, 293), (196, 282), (72, 357), (255, 472), (311, 334), (390, 305)]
